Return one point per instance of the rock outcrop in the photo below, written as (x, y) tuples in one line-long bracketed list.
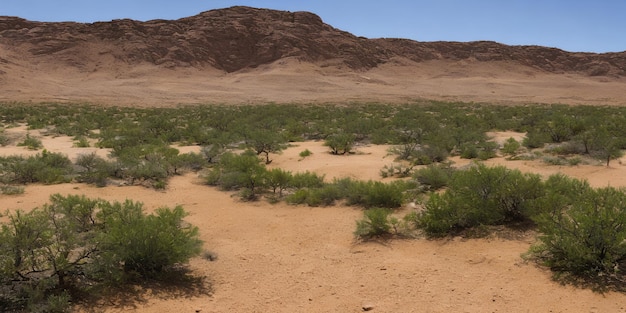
[(238, 38)]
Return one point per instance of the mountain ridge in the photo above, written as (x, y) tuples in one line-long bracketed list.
[(202, 54), (240, 37)]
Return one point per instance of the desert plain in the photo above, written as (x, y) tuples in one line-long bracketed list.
[(285, 258)]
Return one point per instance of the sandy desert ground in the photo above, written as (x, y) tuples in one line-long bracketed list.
[(282, 258), (291, 81)]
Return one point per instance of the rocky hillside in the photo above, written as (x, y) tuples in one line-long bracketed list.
[(238, 38)]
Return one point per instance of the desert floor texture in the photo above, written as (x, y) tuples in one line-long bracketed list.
[(282, 258)]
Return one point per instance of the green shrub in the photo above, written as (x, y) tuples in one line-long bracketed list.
[(212, 153), (148, 244), (45, 167), (583, 234), (469, 151), (481, 196), (440, 218), (278, 180), (31, 143), (574, 161), (151, 170), (239, 171), (511, 147), (306, 180), (558, 161), (188, 161), (305, 153), (300, 196), (322, 196), (11, 190), (81, 142), (483, 150), (567, 188), (565, 148), (76, 243), (434, 176), (397, 170), (535, 139), (212, 177), (488, 150), (4, 140), (375, 223), (430, 154), (372, 193), (340, 143), (92, 169)]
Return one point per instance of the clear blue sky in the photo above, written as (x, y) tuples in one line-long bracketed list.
[(572, 25)]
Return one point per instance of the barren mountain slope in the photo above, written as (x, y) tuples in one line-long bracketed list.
[(242, 54)]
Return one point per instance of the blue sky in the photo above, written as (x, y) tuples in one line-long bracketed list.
[(572, 25)]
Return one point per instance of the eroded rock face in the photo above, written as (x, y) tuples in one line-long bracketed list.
[(237, 38)]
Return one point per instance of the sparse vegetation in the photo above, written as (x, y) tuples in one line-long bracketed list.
[(45, 167), (4, 139), (340, 143), (31, 143), (583, 232), (77, 244), (375, 223), (479, 196), (305, 153), (11, 190), (434, 176), (511, 147), (425, 133), (81, 142)]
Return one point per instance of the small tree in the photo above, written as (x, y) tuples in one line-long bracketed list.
[(266, 142), (278, 179), (340, 143), (606, 146), (212, 152)]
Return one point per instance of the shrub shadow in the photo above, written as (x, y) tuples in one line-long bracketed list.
[(172, 284)]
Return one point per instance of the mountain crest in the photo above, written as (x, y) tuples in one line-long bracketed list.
[(240, 37)]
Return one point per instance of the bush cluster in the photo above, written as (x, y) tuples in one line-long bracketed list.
[(379, 222), (79, 244), (147, 165), (582, 231), (422, 133), (246, 173), (45, 167), (434, 176), (31, 143), (481, 195)]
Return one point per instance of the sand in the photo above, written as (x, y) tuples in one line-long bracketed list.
[(282, 258), (291, 81)]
